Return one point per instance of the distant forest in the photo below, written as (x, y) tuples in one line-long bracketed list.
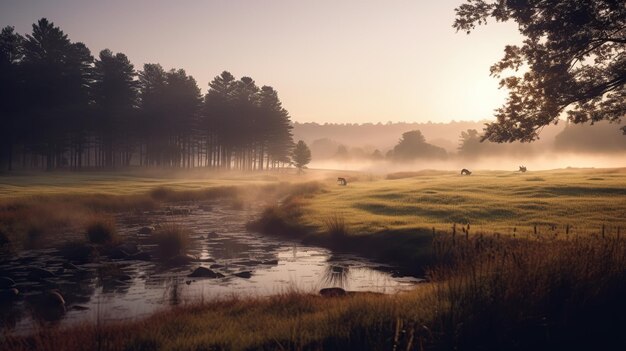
[(376, 141), (61, 108)]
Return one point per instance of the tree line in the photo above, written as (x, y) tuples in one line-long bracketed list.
[(62, 108)]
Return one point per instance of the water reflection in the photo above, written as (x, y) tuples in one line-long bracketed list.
[(247, 264), (336, 276)]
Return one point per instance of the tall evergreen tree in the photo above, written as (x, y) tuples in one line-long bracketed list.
[(301, 155), (56, 74), (10, 93), (219, 109), (276, 127), (115, 93)]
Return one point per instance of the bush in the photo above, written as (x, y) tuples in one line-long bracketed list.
[(102, 231), (172, 240)]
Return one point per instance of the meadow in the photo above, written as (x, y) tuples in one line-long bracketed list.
[(490, 201), (533, 270)]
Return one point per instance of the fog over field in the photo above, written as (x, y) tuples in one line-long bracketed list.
[(369, 147), (535, 163)]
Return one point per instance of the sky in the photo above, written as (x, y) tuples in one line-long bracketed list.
[(348, 61)]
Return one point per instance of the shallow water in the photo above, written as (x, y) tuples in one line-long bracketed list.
[(219, 241)]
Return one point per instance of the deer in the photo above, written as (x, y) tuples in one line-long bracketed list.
[(522, 169), (342, 181), (465, 171)]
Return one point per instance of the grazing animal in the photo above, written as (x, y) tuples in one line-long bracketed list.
[(342, 181), (465, 171), (522, 169)]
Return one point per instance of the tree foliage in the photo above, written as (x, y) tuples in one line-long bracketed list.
[(301, 155), (63, 109), (413, 145), (573, 55)]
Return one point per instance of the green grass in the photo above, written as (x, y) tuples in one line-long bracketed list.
[(117, 184), (491, 201)]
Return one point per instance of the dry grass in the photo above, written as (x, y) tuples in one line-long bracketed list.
[(487, 293), (335, 226), (526, 294), (102, 231), (171, 240), (43, 211)]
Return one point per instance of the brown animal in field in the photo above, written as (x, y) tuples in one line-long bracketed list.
[(342, 181), (522, 169), (465, 171)]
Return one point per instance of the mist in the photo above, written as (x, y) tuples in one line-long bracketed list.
[(456, 145), (548, 161)]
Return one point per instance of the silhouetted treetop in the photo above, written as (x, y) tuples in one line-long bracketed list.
[(413, 145), (61, 108), (301, 155), (575, 52)]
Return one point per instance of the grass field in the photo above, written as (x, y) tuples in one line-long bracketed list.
[(485, 292), (490, 201), (119, 184)]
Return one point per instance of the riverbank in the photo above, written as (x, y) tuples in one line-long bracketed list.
[(487, 293)]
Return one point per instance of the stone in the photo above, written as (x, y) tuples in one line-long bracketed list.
[(244, 274), (203, 272), (146, 230), (6, 283), (8, 295), (333, 292), (50, 305)]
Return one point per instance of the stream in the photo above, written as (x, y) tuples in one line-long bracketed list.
[(252, 264)]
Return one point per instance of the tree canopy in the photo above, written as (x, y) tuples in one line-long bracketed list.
[(60, 108), (573, 58), (413, 145), (301, 155)]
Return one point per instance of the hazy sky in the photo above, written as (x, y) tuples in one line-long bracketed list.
[(331, 61)]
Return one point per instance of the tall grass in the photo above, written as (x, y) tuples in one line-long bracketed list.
[(40, 221), (171, 239), (335, 226), (486, 293), (503, 293), (102, 231)]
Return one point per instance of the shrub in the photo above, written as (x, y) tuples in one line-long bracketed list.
[(172, 240), (102, 231)]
